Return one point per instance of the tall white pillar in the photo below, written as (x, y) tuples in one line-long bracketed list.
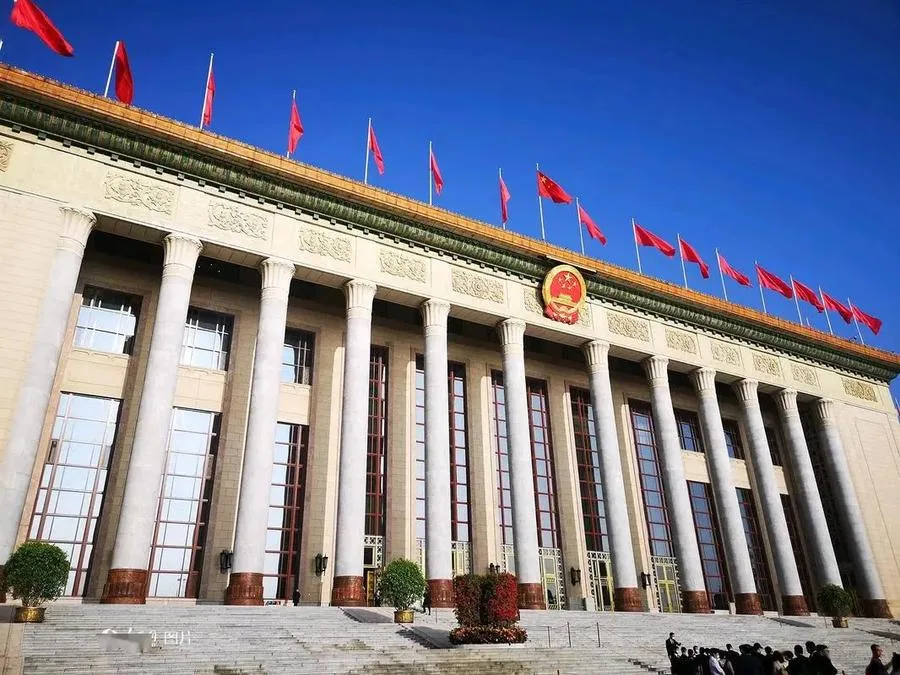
[(127, 579), (806, 492), (690, 570), (521, 467), (737, 553), (245, 585), (348, 589), (870, 589), (627, 595), (27, 421), (438, 530)]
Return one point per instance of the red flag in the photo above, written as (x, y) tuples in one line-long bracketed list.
[(839, 307), (739, 277), (591, 226), (873, 323), (647, 238), (552, 190), (124, 81), (435, 172), (26, 14), (690, 254), (807, 294), (773, 283), (210, 95), (504, 200), (376, 151), (295, 131)]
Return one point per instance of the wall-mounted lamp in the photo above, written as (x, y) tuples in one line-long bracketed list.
[(645, 580), (575, 576), (321, 564), (494, 569), (225, 561)]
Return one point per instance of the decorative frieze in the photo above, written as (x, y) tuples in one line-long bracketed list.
[(136, 191), (231, 218), (861, 390), (628, 326), (477, 286), (5, 155), (766, 364), (533, 304), (726, 353), (681, 341), (804, 374), (399, 265), (328, 245)]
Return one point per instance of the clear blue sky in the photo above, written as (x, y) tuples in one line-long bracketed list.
[(770, 129)]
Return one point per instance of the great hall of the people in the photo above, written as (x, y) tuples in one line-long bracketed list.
[(225, 376)]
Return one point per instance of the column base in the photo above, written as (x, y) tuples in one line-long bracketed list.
[(125, 587), (694, 602), (441, 592), (244, 588), (875, 609), (794, 605), (747, 603), (348, 592), (627, 600), (531, 596)]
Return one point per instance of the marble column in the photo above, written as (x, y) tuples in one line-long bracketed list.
[(806, 492), (126, 582), (348, 589), (870, 589), (792, 601), (521, 467), (245, 585), (627, 596), (678, 501), (737, 553), (438, 530), (27, 421)]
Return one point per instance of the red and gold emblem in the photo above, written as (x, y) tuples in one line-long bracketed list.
[(564, 293)]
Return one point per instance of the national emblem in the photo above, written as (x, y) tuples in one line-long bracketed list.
[(564, 293)]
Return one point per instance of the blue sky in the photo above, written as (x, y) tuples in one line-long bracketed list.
[(766, 129)]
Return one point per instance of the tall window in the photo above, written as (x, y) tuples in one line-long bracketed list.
[(589, 481), (542, 458), (757, 552), (459, 454), (297, 356), (651, 481), (688, 431), (377, 442), (420, 447), (207, 339), (711, 555), (285, 518), (501, 447), (774, 447), (107, 320), (73, 481), (176, 558), (733, 439), (799, 556)]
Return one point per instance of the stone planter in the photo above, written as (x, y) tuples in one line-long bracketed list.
[(404, 616), (29, 615), (839, 622)]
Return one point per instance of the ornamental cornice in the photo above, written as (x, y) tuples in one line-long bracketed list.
[(134, 190), (232, 218), (5, 155), (399, 265)]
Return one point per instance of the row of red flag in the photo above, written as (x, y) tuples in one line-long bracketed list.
[(26, 14)]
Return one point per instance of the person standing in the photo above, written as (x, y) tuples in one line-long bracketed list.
[(671, 646), (876, 666), (799, 665), (426, 601)]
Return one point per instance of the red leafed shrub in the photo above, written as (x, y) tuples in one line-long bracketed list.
[(487, 635), (467, 593), (487, 610), (501, 600)]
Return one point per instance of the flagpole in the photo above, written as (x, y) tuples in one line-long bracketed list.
[(637, 249), (825, 309), (206, 90), (540, 205), (796, 301), (112, 64), (290, 124), (500, 176), (430, 177), (761, 294), (858, 331), (721, 276), (681, 255), (580, 229), (368, 144)]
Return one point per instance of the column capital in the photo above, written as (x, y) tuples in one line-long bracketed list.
[(435, 313), (746, 391), (825, 411), (597, 354), (657, 368), (787, 402), (512, 332), (704, 380), (276, 274), (77, 226), (360, 294), (180, 255)]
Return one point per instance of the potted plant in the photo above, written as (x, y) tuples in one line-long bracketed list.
[(402, 585), (36, 573), (837, 602)]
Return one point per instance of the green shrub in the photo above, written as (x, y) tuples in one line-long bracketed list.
[(402, 584), (834, 600), (37, 573)]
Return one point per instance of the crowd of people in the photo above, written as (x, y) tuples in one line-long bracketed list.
[(808, 659)]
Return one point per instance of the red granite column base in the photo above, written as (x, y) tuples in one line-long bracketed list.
[(875, 609), (531, 596), (627, 600), (441, 592), (2, 584), (794, 605), (747, 603), (348, 592), (244, 588), (125, 587), (694, 602)]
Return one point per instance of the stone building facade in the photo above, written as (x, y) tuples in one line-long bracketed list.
[(227, 375)]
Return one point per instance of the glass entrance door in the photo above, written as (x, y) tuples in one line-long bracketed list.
[(668, 595), (552, 578), (601, 581)]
